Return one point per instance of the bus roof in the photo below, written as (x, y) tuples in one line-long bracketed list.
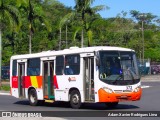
[(71, 50)]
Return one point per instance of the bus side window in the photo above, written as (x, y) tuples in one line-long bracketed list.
[(33, 67), (59, 65), (14, 68), (72, 64)]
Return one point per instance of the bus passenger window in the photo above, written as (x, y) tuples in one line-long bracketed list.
[(14, 68), (33, 67), (59, 65), (72, 65), (68, 70)]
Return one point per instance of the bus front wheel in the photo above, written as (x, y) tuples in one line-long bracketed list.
[(111, 104), (75, 99)]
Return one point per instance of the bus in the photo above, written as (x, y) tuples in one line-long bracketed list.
[(101, 74)]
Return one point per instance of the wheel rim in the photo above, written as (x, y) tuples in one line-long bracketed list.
[(75, 99), (32, 98)]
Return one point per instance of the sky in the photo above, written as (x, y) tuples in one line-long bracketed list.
[(117, 6)]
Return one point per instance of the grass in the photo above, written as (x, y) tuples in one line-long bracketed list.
[(5, 87)]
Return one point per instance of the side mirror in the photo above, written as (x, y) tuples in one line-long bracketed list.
[(97, 62)]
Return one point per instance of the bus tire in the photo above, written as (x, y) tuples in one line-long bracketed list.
[(75, 99), (111, 104), (33, 97)]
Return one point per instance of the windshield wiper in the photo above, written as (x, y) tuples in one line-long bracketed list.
[(131, 73)]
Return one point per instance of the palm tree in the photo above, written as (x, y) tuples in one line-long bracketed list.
[(85, 15), (84, 9), (33, 16), (143, 18), (9, 15), (65, 21)]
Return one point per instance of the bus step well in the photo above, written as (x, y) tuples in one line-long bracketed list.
[(89, 101), (49, 101)]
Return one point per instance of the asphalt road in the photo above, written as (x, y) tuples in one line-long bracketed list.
[(150, 101)]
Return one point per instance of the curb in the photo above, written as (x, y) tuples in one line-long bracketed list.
[(4, 93)]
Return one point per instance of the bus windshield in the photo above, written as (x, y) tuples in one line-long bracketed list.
[(118, 67)]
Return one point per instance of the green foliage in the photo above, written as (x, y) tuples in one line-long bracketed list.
[(153, 54), (5, 87), (45, 18), (9, 16)]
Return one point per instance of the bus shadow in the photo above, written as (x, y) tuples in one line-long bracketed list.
[(85, 106), (45, 104), (102, 106), (22, 102)]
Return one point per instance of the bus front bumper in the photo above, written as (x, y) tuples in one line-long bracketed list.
[(117, 97)]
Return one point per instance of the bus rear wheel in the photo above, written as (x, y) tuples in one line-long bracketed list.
[(111, 104), (33, 100), (75, 99)]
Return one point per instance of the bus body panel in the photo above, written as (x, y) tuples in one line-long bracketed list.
[(119, 93), (28, 82), (65, 83), (62, 84), (14, 86), (15, 92)]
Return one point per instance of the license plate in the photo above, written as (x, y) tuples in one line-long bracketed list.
[(123, 96)]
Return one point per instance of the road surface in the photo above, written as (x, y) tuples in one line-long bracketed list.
[(149, 102)]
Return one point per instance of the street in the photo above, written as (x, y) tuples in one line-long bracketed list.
[(149, 102)]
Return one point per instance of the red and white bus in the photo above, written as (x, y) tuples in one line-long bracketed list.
[(77, 75)]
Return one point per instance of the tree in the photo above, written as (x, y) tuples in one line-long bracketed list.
[(83, 9), (64, 21), (9, 15), (147, 17), (142, 18), (33, 15)]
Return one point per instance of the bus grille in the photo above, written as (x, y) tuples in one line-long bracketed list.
[(122, 91), (123, 98)]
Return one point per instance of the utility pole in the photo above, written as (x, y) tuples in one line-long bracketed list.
[(142, 18), (60, 37), (140, 57), (82, 38), (30, 41), (143, 39), (66, 36)]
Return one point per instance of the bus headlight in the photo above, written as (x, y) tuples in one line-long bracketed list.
[(137, 89), (108, 90)]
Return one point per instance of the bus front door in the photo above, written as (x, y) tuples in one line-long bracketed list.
[(21, 83), (89, 78), (48, 73)]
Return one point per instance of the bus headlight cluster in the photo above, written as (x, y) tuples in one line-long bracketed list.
[(137, 89), (108, 90)]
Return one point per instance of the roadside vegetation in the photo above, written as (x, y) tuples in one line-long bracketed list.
[(5, 87), (30, 26)]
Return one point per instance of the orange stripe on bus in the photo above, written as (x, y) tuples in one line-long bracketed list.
[(106, 97), (39, 81), (115, 97)]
